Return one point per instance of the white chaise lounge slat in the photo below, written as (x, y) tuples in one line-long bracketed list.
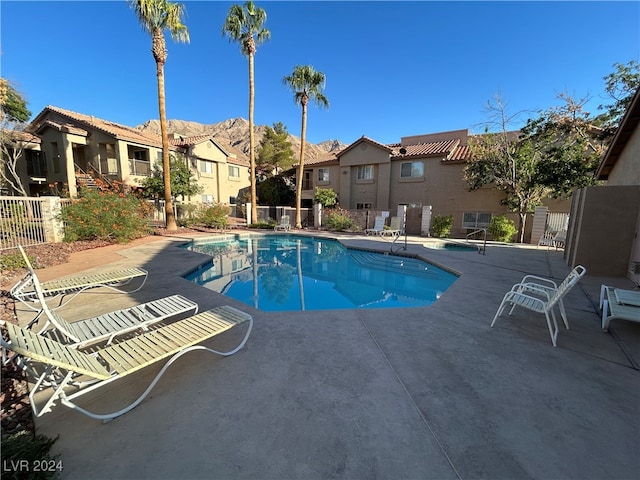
[(104, 365), (109, 325), (24, 290)]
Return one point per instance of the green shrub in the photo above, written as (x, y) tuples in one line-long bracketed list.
[(502, 228), (325, 196), (340, 220), (441, 225), (214, 216), (105, 215), (264, 224), (12, 260), (25, 449)]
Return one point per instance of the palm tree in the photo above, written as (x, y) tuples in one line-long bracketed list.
[(245, 25), (155, 16), (307, 84)]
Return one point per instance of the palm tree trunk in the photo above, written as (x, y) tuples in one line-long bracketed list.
[(252, 150), (303, 135), (166, 171)]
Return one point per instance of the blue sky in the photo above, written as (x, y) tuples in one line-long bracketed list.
[(393, 68)]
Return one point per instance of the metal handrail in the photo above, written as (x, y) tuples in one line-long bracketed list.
[(404, 230), (482, 249)]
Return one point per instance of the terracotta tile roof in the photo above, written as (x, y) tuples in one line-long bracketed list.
[(188, 141), (365, 139), (64, 127), (459, 155), (117, 130), (329, 158), (431, 149), (21, 136)]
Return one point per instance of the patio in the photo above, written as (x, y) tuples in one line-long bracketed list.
[(429, 392)]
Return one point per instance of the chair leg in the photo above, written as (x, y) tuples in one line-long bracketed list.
[(563, 314), (499, 312), (553, 330)]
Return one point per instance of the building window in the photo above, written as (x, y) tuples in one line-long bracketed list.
[(323, 174), (236, 265), (307, 182), (207, 198), (232, 200), (364, 206), (36, 165), (205, 167), (476, 220), (234, 172), (365, 172), (411, 170)]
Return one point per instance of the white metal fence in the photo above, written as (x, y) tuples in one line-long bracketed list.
[(28, 221)]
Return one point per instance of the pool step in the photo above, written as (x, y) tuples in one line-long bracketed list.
[(395, 264)]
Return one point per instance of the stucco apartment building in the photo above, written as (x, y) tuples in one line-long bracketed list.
[(419, 171), (67, 145)]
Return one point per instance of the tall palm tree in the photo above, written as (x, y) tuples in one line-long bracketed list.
[(307, 84), (245, 25), (155, 16)]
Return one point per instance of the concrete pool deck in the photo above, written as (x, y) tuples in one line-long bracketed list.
[(428, 392)]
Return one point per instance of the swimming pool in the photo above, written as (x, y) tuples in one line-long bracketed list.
[(292, 273)]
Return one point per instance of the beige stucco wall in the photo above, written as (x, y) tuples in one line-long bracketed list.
[(601, 236), (375, 191), (626, 171)]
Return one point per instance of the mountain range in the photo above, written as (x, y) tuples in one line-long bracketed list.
[(235, 133)]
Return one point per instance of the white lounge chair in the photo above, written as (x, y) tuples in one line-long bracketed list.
[(109, 325), (285, 224), (556, 239), (395, 228), (64, 365), (617, 303), (75, 284), (550, 286), (538, 299), (378, 227)]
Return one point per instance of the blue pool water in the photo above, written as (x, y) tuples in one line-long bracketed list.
[(291, 273)]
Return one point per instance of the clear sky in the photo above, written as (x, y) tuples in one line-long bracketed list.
[(393, 68)]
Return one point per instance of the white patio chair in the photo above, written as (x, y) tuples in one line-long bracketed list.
[(395, 227), (378, 227), (64, 365), (550, 286), (538, 299), (284, 225)]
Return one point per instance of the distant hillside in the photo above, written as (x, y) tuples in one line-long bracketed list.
[(235, 133)]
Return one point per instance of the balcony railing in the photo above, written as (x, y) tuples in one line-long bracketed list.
[(139, 167)]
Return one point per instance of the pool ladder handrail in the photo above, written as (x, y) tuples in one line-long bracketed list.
[(481, 249), (404, 230)]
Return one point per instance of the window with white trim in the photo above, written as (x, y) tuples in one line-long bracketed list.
[(364, 206), (207, 198), (323, 174), (476, 220), (205, 167), (411, 170), (234, 171), (365, 172)]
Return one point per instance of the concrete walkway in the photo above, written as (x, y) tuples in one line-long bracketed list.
[(418, 393)]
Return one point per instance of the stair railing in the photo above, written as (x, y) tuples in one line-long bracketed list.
[(481, 249)]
